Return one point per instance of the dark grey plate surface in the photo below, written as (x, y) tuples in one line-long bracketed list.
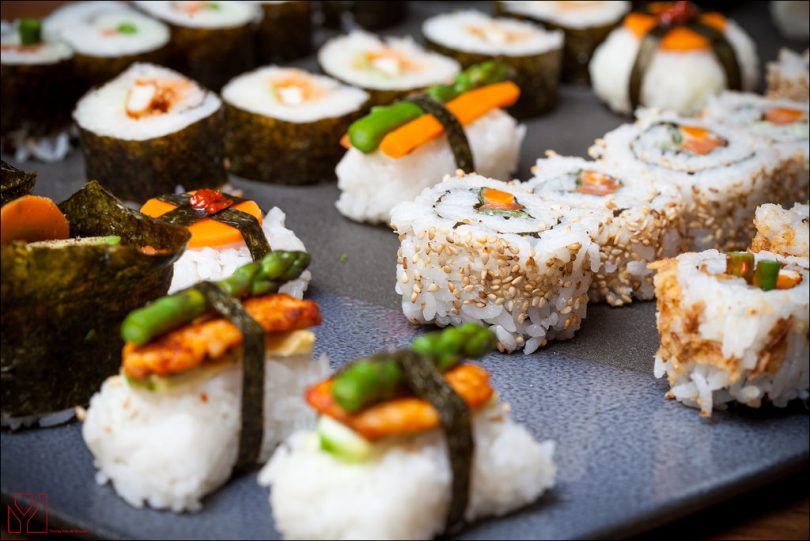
[(628, 459)]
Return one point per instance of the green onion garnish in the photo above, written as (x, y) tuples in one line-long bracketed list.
[(127, 28), (30, 31)]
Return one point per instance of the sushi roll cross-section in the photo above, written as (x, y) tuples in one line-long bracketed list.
[(789, 76), (782, 231)]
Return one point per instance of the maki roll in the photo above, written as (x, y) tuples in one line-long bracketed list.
[(284, 124), (70, 273), (377, 14), (418, 436), (782, 231), (198, 398), (285, 31), (533, 55), (107, 37), (733, 328), (585, 24), (789, 76), (387, 69), (34, 120), (478, 250), (149, 130), (226, 232), (211, 42), (723, 174), (404, 148), (673, 57), (640, 225)]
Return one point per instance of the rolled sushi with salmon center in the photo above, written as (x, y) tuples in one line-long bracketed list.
[(477, 250), (733, 328), (150, 130), (789, 76), (642, 223), (285, 124), (386, 68), (673, 57), (782, 231), (534, 55), (409, 444), (285, 31)]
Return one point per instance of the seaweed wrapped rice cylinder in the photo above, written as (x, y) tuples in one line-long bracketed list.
[(782, 231), (149, 130), (285, 31), (285, 124), (789, 76)]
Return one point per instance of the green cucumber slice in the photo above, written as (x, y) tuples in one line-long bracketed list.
[(341, 441)]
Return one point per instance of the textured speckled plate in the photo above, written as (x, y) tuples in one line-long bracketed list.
[(628, 459)]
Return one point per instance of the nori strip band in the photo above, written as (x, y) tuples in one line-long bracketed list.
[(252, 402), (15, 183), (456, 137)]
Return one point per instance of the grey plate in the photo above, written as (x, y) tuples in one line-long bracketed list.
[(628, 459)]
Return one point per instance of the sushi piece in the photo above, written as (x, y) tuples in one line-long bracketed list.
[(198, 400), (585, 24), (149, 130), (789, 76), (34, 120), (782, 231), (15, 183), (285, 124), (733, 328), (226, 232), (386, 69), (416, 435), (533, 55), (106, 38), (792, 18), (478, 250), (674, 58), (397, 151), (784, 123), (211, 42), (641, 222), (285, 31), (70, 273), (723, 173), (377, 14)]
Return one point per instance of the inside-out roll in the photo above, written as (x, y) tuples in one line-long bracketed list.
[(789, 76), (782, 231)]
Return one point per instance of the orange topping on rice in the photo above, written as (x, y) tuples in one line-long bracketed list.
[(499, 200), (679, 38), (594, 183), (32, 218), (155, 96), (192, 8), (576, 6), (788, 279), (387, 60), (497, 33), (700, 140), (296, 88), (783, 115)]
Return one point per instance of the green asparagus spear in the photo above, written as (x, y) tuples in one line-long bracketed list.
[(256, 278), (740, 264), (767, 274), (30, 31)]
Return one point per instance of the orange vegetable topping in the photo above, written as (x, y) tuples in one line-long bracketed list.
[(499, 200), (593, 183), (32, 218), (783, 115), (788, 279), (679, 38)]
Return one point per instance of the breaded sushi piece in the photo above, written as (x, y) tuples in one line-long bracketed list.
[(641, 224), (782, 231), (789, 76), (733, 328)]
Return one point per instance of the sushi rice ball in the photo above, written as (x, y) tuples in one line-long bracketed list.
[(782, 231), (789, 76)]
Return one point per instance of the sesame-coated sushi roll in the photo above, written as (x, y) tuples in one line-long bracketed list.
[(149, 130), (479, 250), (285, 124), (641, 223), (285, 31), (723, 173), (733, 327), (789, 76), (673, 57), (585, 24), (386, 69), (782, 231), (533, 54)]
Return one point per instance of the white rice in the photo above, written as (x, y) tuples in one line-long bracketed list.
[(789, 76), (372, 184), (403, 490), (792, 18), (782, 231), (577, 15), (227, 15), (48, 52)]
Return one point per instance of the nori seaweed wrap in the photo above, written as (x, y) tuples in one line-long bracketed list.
[(285, 31), (62, 302), (15, 183), (376, 15)]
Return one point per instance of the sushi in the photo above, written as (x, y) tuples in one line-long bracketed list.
[(416, 435), (533, 55), (585, 24), (386, 69), (285, 31), (396, 151), (199, 398), (789, 76), (641, 222), (149, 130), (479, 250), (782, 231), (791, 18), (15, 183), (226, 232), (733, 328), (723, 173), (673, 58), (284, 124), (377, 14)]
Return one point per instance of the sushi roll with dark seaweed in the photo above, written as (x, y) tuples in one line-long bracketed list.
[(285, 31), (585, 24), (198, 398), (534, 55), (782, 231), (387, 69), (226, 232), (377, 14), (789, 76), (409, 444), (285, 124), (211, 42), (150, 130), (15, 183)]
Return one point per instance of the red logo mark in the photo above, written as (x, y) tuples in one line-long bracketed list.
[(28, 514)]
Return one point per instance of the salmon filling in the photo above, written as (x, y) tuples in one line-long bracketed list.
[(593, 183)]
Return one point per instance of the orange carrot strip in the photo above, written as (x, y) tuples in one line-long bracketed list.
[(32, 218), (345, 142)]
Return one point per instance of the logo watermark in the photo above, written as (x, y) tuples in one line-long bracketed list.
[(27, 514)]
